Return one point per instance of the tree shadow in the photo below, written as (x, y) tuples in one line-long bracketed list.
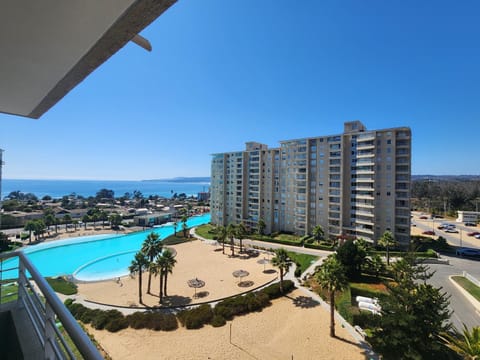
[(176, 300), (304, 302)]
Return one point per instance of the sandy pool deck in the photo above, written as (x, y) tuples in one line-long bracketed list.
[(292, 328), (295, 326), (195, 259)]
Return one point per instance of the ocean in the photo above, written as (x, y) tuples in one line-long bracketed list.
[(86, 188)]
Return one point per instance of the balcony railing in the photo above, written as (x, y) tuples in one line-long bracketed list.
[(44, 311)]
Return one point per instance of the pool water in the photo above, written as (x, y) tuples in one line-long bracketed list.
[(92, 258)]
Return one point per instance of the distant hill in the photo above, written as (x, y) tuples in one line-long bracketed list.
[(201, 179), (445, 177)]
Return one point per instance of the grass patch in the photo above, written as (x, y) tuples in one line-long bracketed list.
[(287, 237), (303, 261), (472, 289), (176, 239), (206, 231), (62, 286), (9, 293)]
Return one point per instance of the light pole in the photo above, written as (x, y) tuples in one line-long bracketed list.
[(460, 237)]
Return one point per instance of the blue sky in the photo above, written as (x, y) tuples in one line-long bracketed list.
[(222, 73)]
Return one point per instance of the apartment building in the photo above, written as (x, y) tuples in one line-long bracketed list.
[(355, 183)]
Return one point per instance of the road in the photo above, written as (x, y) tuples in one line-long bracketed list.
[(463, 312)]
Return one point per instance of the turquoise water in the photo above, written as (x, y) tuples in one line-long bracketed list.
[(96, 257)]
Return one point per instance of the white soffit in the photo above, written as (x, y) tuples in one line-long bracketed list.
[(49, 46)]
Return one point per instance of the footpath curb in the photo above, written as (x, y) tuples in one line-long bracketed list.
[(465, 293)]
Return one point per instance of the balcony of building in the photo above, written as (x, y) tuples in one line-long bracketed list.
[(32, 321), (364, 205), (360, 212), (363, 221), (360, 230)]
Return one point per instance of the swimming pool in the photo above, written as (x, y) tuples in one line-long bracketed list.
[(90, 258)]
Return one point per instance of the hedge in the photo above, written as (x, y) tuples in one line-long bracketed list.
[(114, 320), (319, 247)]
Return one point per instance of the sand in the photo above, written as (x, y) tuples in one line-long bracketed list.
[(294, 327), (195, 259), (281, 331)]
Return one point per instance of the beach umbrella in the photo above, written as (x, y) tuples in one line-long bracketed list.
[(263, 261), (240, 274), (196, 284)]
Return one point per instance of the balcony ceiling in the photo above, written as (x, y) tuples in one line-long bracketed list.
[(48, 47)]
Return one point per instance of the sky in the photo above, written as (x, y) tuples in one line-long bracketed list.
[(222, 73)]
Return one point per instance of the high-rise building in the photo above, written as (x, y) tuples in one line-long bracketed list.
[(355, 183)]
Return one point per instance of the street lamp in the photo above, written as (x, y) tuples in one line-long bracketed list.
[(460, 237)]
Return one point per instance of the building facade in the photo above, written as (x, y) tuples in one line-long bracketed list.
[(355, 183)]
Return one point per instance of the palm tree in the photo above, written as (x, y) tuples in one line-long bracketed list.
[(158, 269), (283, 262), (318, 232), (231, 234), (103, 216), (467, 344), (94, 218), (241, 232), (151, 247), (85, 220), (30, 226), (387, 240), (332, 278), (67, 219), (168, 265), (175, 224), (184, 225), (49, 220), (222, 235), (139, 265)]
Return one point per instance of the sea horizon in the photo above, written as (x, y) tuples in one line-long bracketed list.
[(57, 188)]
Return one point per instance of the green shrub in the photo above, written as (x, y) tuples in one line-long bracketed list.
[(68, 302), (273, 291), (77, 310), (117, 324), (89, 315), (102, 318), (298, 272), (218, 321), (137, 320), (197, 317), (343, 304), (160, 321), (365, 319)]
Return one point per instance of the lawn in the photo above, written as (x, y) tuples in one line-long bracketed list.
[(473, 289), (304, 260), (62, 286), (206, 231), (9, 293)]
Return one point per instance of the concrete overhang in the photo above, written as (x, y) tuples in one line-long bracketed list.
[(47, 47)]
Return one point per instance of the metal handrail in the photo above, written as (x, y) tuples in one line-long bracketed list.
[(76, 333)]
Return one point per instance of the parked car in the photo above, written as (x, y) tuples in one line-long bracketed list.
[(468, 252), (477, 236), (428, 232), (473, 233), (423, 217), (451, 230), (470, 224)]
